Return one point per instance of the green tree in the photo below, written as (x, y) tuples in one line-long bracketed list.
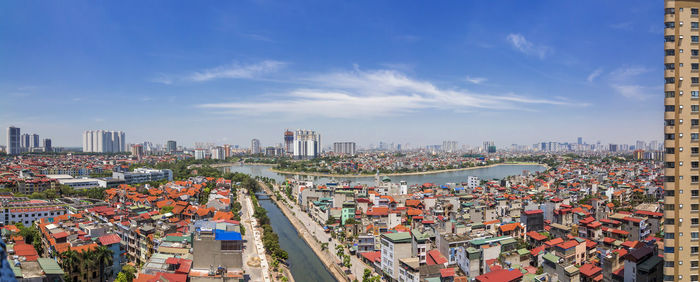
[(128, 274), (339, 251), (105, 257)]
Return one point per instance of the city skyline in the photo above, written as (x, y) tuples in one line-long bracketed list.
[(397, 77)]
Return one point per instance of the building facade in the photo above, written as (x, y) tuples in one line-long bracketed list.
[(344, 148), (307, 144), (13, 142), (255, 146), (171, 146), (681, 132), (102, 141)]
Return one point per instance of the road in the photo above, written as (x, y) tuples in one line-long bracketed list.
[(357, 268)]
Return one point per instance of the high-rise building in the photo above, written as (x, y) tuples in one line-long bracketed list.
[(47, 145), (25, 141), (137, 150), (34, 141), (102, 141), (255, 146), (288, 142), (344, 148), (13, 141), (217, 153), (307, 144), (580, 140), (681, 226), (449, 146), (489, 147), (171, 146)]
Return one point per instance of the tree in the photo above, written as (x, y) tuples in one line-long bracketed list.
[(105, 258), (69, 261), (367, 275), (346, 261), (127, 274), (339, 251), (166, 209)]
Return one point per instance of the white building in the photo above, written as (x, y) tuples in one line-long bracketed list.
[(307, 144), (75, 183), (217, 153), (255, 146), (472, 182), (102, 141), (141, 175), (199, 154), (27, 212), (394, 247), (344, 148)]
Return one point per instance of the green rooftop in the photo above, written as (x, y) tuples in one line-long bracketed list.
[(523, 252), (551, 258), (50, 266), (480, 242), (399, 237)]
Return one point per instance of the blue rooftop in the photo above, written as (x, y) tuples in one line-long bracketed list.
[(227, 235)]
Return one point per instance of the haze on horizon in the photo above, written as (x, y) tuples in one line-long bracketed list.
[(418, 73)]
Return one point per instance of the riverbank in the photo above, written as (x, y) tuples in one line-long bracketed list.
[(308, 238), (330, 175), (238, 163)]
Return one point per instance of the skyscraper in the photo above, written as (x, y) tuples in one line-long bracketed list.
[(47, 145), (255, 146), (288, 142), (307, 144), (489, 147), (35, 141), (13, 142), (344, 148), (102, 141), (681, 226), (25, 142), (171, 146), (580, 140)]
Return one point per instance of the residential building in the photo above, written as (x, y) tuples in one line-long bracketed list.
[(255, 146), (102, 141), (680, 135), (344, 148), (217, 245), (307, 144), (171, 146), (394, 247), (13, 141), (141, 175), (47, 145), (288, 142)]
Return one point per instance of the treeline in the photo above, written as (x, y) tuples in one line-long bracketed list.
[(270, 238)]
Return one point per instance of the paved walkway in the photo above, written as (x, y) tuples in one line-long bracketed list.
[(357, 267), (257, 237)]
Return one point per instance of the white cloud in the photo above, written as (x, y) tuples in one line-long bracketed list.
[(475, 80), (523, 45), (235, 70), (625, 81), (363, 94), (596, 73)]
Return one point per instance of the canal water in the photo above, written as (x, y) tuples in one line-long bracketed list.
[(303, 262), (485, 173)]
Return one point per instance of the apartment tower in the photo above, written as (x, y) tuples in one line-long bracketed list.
[(681, 141)]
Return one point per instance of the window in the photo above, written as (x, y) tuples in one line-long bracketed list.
[(694, 250), (694, 207), (670, 164), (694, 165), (694, 39), (670, 150), (670, 24), (668, 250), (694, 150), (669, 11), (669, 108), (694, 221), (694, 66), (670, 52), (670, 193), (694, 11), (670, 122), (694, 193), (670, 94), (669, 38), (694, 136), (669, 207), (668, 263), (670, 80), (694, 80), (669, 235), (694, 25), (694, 52), (670, 136), (670, 66), (694, 122)]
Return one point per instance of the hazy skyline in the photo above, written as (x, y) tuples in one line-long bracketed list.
[(515, 72)]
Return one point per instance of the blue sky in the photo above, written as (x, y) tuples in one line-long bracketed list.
[(365, 71)]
